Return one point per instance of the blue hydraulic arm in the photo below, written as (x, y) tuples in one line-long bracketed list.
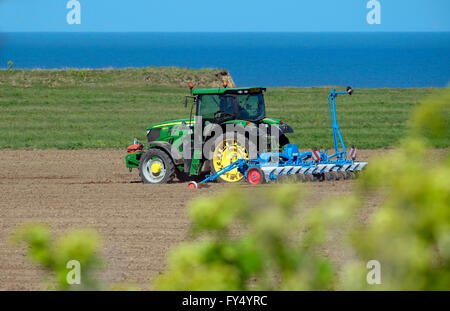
[(337, 137), (236, 164)]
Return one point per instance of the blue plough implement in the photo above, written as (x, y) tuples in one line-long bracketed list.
[(292, 164)]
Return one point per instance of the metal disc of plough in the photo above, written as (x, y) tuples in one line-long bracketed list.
[(290, 169), (329, 176)]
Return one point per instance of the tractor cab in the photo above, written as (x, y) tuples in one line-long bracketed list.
[(221, 105)]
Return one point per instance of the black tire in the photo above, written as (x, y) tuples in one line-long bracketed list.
[(283, 141), (164, 158), (182, 176)]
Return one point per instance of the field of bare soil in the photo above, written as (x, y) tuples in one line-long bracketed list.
[(92, 188)]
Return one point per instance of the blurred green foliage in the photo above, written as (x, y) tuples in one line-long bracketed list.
[(276, 247), (409, 234), (125, 287), (53, 256), (430, 121)]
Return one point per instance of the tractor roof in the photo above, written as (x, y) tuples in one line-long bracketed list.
[(237, 90)]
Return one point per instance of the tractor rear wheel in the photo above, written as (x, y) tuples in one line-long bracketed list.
[(156, 167), (226, 151)]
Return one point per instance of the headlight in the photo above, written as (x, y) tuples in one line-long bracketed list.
[(286, 129)]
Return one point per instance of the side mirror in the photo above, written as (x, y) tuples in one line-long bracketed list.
[(349, 90)]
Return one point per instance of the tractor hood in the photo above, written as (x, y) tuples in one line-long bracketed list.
[(284, 127), (171, 123), (162, 131), (272, 121), (189, 121)]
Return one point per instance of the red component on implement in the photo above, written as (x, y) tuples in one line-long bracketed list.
[(316, 155), (255, 176), (353, 152), (135, 148), (192, 185)]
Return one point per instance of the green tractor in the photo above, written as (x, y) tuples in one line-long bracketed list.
[(211, 114)]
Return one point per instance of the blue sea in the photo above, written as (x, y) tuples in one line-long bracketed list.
[(265, 59)]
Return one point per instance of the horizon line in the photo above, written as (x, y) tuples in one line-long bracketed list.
[(237, 32)]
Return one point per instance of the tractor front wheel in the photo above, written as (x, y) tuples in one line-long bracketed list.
[(156, 167)]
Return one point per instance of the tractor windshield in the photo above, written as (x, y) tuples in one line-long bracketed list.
[(219, 108)]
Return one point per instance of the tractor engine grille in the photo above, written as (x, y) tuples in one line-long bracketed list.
[(153, 135)]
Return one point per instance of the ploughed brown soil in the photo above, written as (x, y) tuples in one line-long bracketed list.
[(92, 188)]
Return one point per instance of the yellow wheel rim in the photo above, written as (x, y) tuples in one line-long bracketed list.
[(227, 152), (156, 168)]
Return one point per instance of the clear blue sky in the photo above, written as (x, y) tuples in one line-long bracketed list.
[(228, 15)]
